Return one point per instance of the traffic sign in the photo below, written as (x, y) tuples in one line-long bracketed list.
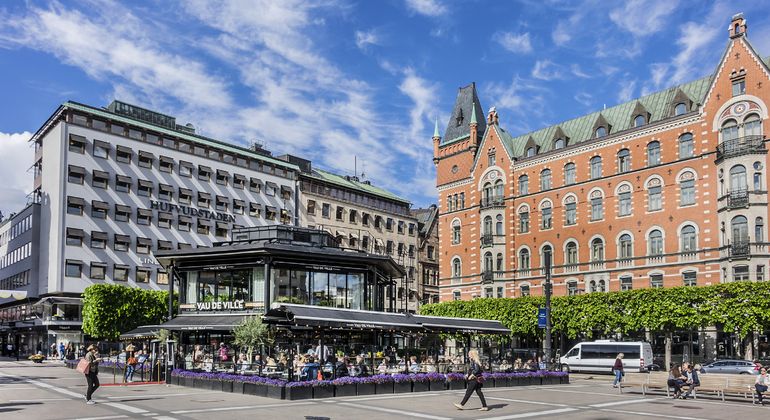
[(541, 317)]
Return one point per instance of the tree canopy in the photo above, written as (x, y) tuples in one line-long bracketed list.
[(110, 309)]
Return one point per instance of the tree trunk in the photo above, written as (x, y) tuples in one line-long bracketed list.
[(668, 342)]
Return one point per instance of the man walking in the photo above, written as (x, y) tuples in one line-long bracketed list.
[(92, 374)]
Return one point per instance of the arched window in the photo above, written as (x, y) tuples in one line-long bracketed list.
[(680, 108), (686, 146), (624, 200), (524, 219), (524, 290), (545, 180), (570, 210), (738, 178), (546, 215), (523, 185), (572, 253), (626, 246), (524, 259), (499, 189), (656, 242), (488, 192), (560, 143), (759, 230), (569, 174), (488, 262), (499, 225), (601, 286), (499, 262), (597, 205), (532, 151), (689, 239), (624, 161), (600, 131), (596, 167), (462, 200), (757, 176), (456, 232), (687, 189), (546, 255), (457, 267), (597, 250), (449, 204), (640, 120), (572, 287), (752, 126), (455, 202), (592, 286), (653, 153), (740, 230), (487, 225), (729, 130), (654, 194)]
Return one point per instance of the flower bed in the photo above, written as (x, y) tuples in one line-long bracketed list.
[(351, 386)]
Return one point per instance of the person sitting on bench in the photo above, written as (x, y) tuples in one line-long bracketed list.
[(676, 380), (761, 384), (693, 381)]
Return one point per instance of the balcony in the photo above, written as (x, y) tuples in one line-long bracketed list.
[(487, 240), (488, 276), (738, 199), (741, 146), (494, 201), (739, 250)]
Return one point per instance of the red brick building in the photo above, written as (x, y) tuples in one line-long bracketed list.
[(666, 190)]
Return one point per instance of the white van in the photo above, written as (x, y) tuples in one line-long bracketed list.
[(599, 356)]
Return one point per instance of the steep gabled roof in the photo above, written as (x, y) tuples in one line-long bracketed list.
[(466, 105)]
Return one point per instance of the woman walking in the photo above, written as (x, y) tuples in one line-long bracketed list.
[(92, 374), (617, 369), (475, 381)]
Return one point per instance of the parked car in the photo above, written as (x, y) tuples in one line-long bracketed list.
[(743, 367)]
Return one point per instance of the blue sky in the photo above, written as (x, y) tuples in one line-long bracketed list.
[(331, 80)]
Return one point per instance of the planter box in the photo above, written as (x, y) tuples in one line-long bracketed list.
[(323, 391), (227, 386), (367, 389), (455, 385), (402, 387), (251, 388), (348, 390), (299, 393), (418, 386), (277, 392), (215, 385), (437, 385), (238, 387), (200, 384), (564, 379)]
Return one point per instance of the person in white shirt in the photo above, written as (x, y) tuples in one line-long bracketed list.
[(761, 384)]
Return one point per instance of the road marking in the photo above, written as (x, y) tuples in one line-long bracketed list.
[(101, 418), (245, 407), (10, 388), (610, 404), (39, 399), (637, 413), (532, 414), (393, 411), (581, 392), (164, 418), (160, 395), (527, 401), (124, 407), (387, 397)]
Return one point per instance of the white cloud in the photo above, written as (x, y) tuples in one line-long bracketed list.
[(584, 98), (627, 89), (423, 95), (430, 8), (547, 70), (364, 39), (561, 34), (642, 17), (521, 98), (17, 182), (577, 71), (516, 43)]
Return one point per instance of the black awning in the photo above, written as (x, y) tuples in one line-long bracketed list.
[(461, 325), (337, 318), (143, 332), (215, 321)]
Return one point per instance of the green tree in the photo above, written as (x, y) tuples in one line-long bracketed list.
[(110, 310), (250, 333)]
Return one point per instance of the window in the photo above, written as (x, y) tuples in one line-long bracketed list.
[(353, 218), (654, 202), (545, 180), (75, 205), (597, 250), (523, 185), (491, 158), (545, 216), (680, 108), (499, 225), (185, 196), (524, 259), (524, 220), (624, 161), (741, 273), (729, 130), (223, 177), (572, 288), (640, 120), (499, 262), (689, 239), (76, 174), (270, 213), (626, 283), (120, 273), (760, 273), (456, 295), (462, 199), (145, 160), (656, 281), (74, 237), (221, 203), (123, 154), (600, 131), (202, 228), (204, 173), (488, 263), (431, 252), (186, 169), (738, 178), (326, 210), (143, 246), (123, 183), (311, 207), (184, 224), (499, 292), (597, 206), (239, 181), (626, 246), (487, 226), (161, 277), (100, 179), (752, 126), (122, 213), (165, 192), (687, 189), (101, 149), (532, 151), (572, 254), (569, 174), (98, 240), (144, 188), (73, 268), (98, 271), (624, 203), (204, 199), (220, 230), (164, 220), (656, 243), (653, 153), (689, 278), (686, 146), (456, 268), (143, 217), (740, 230), (524, 290), (570, 211), (142, 275), (488, 292), (759, 229), (456, 232), (560, 143), (757, 181), (739, 87), (596, 167), (121, 243), (389, 224), (77, 144)]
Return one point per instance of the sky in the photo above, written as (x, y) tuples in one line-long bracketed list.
[(355, 86)]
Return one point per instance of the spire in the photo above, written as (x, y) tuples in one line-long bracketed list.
[(435, 130), (473, 114)]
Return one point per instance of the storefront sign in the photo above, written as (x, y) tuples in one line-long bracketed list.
[(191, 211), (219, 306)]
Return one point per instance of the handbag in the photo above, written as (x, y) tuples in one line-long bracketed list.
[(83, 366), (132, 361)]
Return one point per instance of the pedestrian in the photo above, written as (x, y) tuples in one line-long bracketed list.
[(617, 369), (761, 384), (61, 350), (130, 363), (92, 374), (475, 379)]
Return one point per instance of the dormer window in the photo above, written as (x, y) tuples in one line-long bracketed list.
[(560, 143), (459, 118), (640, 120), (680, 108), (601, 132), (532, 151), (491, 157), (739, 87)]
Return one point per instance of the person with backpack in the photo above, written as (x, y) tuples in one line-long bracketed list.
[(475, 379), (92, 372)]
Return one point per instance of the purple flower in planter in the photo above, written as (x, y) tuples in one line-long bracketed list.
[(377, 379), (300, 384), (274, 382), (420, 377), (401, 378), (435, 377), (347, 380), (450, 377)]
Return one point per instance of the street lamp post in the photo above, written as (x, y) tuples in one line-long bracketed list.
[(547, 347)]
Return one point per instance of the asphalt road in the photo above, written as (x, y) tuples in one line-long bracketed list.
[(51, 391)]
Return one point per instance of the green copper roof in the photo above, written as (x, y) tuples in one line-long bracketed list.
[(435, 130), (206, 141), (620, 118), (473, 115), (354, 185)]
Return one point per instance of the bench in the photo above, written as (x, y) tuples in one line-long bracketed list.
[(740, 385), (718, 384)]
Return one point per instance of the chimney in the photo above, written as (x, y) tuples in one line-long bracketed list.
[(737, 26)]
